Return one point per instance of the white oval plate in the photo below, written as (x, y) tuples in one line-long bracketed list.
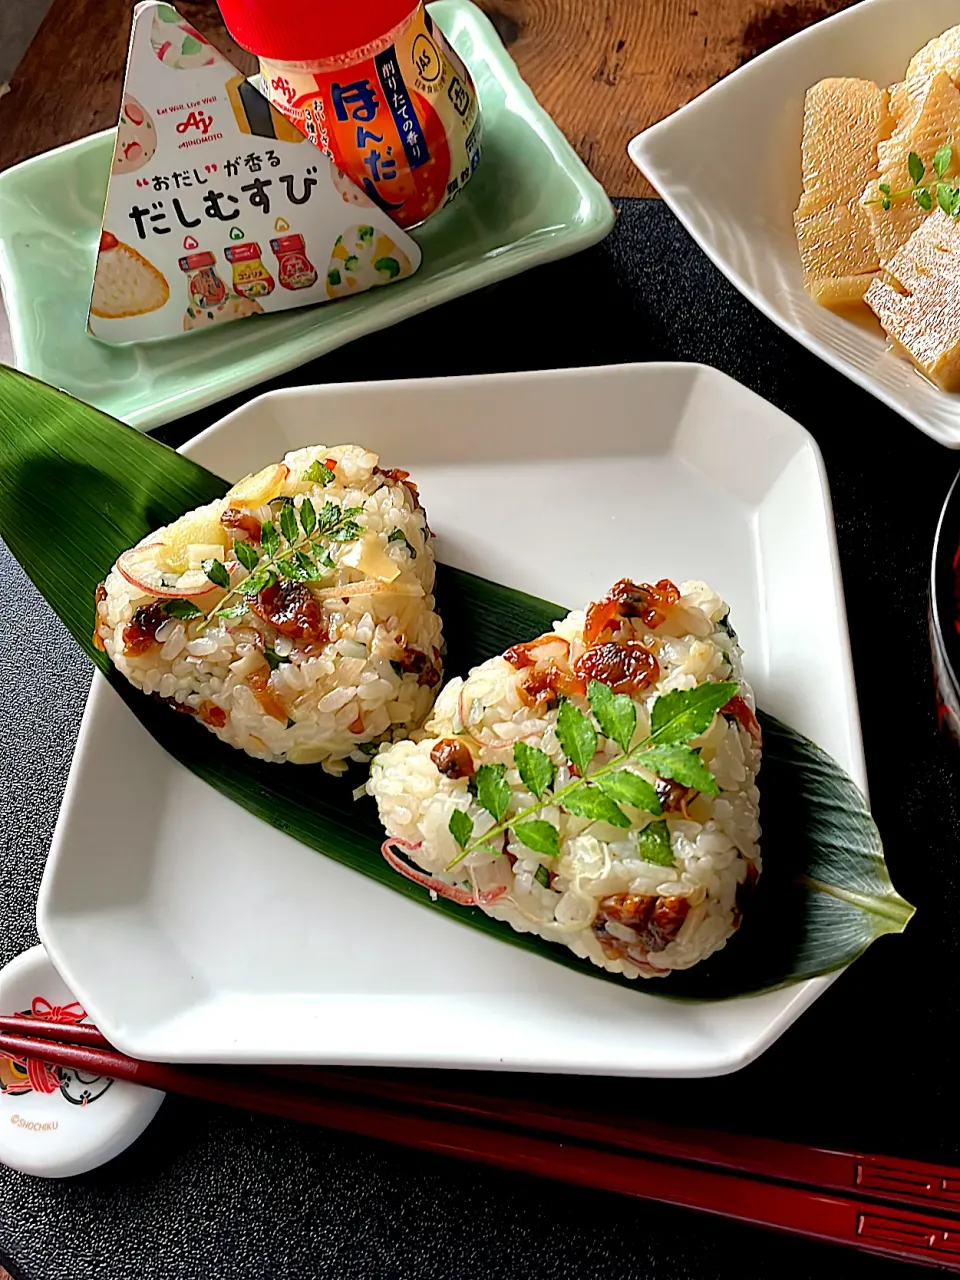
[(728, 165), (193, 932)]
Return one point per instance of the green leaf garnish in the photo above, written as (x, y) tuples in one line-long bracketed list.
[(493, 790), (923, 191), (180, 608), (317, 473), (653, 844), (345, 533), (216, 571), (292, 570), (273, 659), (542, 877), (682, 764), (590, 802), (289, 525), (247, 555), (615, 712), (308, 517), (630, 788), (230, 611), (577, 736), (312, 570), (683, 714), (257, 581), (330, 513), (538, 835), (535, 767), (397, 535), (269, 539), (460, 827)]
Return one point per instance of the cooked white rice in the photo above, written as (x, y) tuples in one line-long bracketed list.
[(367, 673), (602, 900)]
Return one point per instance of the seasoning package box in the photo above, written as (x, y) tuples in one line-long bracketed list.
[(218, 208)]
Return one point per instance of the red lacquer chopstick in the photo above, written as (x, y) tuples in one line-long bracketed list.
[(475, 1132), (48, 1029), (889, 1178)]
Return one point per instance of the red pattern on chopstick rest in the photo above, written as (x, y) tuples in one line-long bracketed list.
[(40, 1007), (42, 1077)]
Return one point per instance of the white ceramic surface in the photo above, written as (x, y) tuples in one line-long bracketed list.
[(194, 932), (57, 1122), (728, 165)]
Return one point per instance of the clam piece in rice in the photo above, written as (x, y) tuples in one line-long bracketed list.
[(596, 786), (294, 617)]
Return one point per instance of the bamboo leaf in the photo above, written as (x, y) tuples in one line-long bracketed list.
[(77, 488)]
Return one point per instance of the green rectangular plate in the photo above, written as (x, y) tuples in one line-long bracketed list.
[(530, 201)]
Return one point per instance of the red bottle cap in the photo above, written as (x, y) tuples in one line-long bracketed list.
[(313, 29)]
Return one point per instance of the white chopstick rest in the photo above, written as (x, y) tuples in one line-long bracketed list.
[(55, 1122)]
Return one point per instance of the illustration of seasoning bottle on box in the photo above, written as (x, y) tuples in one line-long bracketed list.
[(204, 287), (251, 279), (294, 268)]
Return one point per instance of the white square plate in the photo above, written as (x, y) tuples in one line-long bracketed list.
[(728, 165), (191, 932)]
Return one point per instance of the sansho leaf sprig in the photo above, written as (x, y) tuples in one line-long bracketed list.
[(924, 188), (675, 719), (295, 552)]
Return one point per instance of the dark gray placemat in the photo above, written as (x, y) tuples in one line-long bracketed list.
[(210, 1193)]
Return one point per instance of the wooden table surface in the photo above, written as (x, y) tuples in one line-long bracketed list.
[(604, 69)]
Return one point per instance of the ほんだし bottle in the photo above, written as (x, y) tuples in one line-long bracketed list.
[(377, 87)]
